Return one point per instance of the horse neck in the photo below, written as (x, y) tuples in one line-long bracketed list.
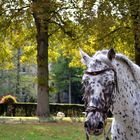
[(127, 71), (128, 66), (127, 96), (124, 74)]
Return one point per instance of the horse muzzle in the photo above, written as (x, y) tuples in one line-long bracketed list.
[(94, 129)]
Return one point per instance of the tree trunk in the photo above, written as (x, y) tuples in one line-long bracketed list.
[(58, 97), (134, 7), (69, 86), (18, 75), (42, 65)]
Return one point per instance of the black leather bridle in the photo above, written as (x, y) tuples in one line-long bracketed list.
[(106, 108)]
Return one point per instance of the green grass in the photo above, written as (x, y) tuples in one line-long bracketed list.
[(57, 130)]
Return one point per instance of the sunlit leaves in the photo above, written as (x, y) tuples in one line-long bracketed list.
[(109, 27), (5, 57), (91, 25), (53, 55)]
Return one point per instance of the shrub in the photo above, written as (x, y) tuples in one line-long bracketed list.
[(8, 99), (29, 109)]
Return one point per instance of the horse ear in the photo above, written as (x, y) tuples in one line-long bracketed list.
[(111, 54), (84, 57)]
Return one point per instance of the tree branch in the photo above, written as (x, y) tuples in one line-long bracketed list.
[(112, 32), (12, 16)]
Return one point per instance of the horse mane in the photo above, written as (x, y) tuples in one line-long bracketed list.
[(134, 69)]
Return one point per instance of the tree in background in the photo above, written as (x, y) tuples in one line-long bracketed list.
[(67, 80), (67, 25), (51, 17), (134, 9), (17, 48)]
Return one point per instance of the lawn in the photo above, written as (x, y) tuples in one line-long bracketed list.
[(43, 131)]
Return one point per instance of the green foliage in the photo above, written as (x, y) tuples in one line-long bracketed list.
[(63, 75), (7, 82), (8, 99), (60, 73), (90, 25), (29, 109), (27, 85), (96, 25)]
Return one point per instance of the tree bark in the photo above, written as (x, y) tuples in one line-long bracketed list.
[(42, 64), (18, 75), (134, 7), (69, 86)]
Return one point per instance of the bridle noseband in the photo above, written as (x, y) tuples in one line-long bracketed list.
[(106, 108)]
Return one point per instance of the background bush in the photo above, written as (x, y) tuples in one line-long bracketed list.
[(8, 99), (29, 109)]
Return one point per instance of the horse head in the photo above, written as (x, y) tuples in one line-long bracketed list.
[(100, 82)]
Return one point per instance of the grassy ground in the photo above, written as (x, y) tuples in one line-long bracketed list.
[(39, 130)]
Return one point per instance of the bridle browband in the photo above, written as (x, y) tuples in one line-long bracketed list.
[(94, 73), (104, 110)]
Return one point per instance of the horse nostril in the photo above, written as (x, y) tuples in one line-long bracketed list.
[(100, 125)]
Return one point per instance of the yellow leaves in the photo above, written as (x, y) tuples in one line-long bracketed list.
[(70, 49), (112, 28), (9, 66), (28, 54), (6, 56), (17, 40), (5, 52), (89, 49), (125, 48), (53, 55), (76, 58), (23, 59), (29, 50)]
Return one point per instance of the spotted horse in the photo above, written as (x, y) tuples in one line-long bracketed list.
[(111, 82)]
